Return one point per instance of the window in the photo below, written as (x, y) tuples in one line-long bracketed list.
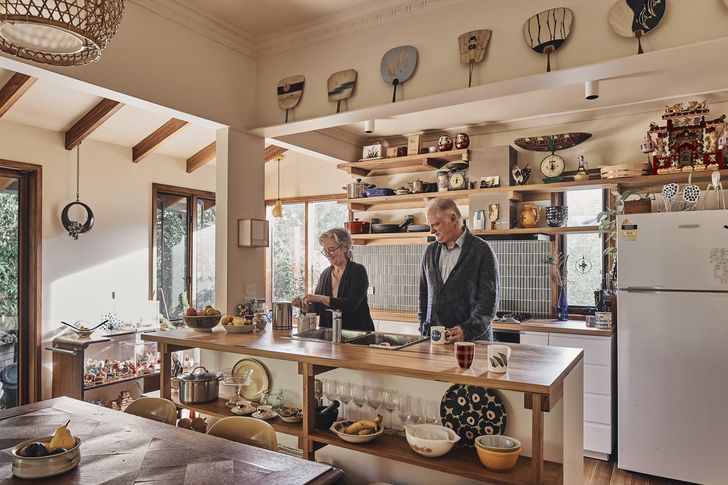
[(293, 260), (184, 249), (584, 249)]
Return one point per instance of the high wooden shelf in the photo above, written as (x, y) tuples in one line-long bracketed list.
[(425, 162), (460, 461), (417, 237)]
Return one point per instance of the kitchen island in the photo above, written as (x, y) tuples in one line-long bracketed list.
[(549, 379)]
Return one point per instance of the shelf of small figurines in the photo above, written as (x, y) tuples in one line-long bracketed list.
[(423, 162)]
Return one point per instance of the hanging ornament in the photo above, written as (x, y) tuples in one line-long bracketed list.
[(583, 266), (76, 228)]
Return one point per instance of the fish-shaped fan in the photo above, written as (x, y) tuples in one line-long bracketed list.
[(472, 49), (290, 90), (341, 86), (398, 65), (546, 31), (635, 18)]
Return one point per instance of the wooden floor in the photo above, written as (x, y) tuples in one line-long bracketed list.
[(598, 472)]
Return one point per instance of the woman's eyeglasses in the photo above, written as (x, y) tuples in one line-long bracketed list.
[(330, 251)]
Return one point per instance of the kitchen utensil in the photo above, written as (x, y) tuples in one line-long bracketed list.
[(497, 442), (81, 330), (498, 358), (418, 228), (264, 412), (464, 354), (237, 381), (669, 193), (417, 186), (243, 409), (325, 420), (437, 334), (402, 191), (202, 324), (378, 192), (282, 315), (291, 415), (530, 215), (355, 190), (44, 466), (407, 221), (460, 165), (199, 386), (557, 215), (273, 397), (430, 440), (357, 227), (546, 31), (339, 427), (717, 187), (260, 379), (397, 66), (384, 228), (691, 192), (472, 411), (498, 460), (443, 179), (479, 220)]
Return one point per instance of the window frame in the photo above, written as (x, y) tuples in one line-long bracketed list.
[(192, 195), (307, 201)]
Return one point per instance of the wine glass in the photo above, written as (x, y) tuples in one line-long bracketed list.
[(374, 397), (404, 409), (359, 397), (433, 412), (391, 404), (330, 390), (237, 381), (415, 415), (343, 390)]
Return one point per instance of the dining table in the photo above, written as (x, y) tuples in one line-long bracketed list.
[(120, 448)]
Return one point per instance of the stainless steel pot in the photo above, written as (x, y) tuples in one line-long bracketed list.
[(282, 315), (355, 190), (198, 387)]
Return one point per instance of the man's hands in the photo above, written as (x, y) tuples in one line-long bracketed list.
[(454, 334)]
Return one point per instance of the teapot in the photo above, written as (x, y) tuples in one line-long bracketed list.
[(417, 186)]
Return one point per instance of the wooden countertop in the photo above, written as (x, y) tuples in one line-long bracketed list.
[(534, 369), (122, 448)]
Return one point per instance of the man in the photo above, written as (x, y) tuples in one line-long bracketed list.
[(459, 278)]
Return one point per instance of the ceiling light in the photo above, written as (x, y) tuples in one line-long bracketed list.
[(58, 32), (591, 90), (369, 126), (278, 207)]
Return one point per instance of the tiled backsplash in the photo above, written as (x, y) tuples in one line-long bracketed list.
[(394, 272)]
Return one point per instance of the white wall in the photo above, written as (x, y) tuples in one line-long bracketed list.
[(302, 175), (114, 255), (434, 34)]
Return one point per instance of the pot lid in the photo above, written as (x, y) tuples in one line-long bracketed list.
[(200, 374), (9, 375)]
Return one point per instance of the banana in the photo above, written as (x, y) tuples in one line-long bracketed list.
[(366, 431), (360, 425)]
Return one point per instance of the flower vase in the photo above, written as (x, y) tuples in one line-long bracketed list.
[(562, 306)]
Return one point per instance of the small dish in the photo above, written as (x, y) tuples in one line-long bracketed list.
[(243, 409), (44, 466), (239, 328), (457, 165), (291, 415), (264, 417), (339, 427)]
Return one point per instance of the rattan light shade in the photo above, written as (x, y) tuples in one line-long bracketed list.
[(58, 32)]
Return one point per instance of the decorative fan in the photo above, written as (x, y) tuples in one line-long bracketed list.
[(290, 90), (635, 18), (472, 49), (341, 86), (76, 228), (398, 65), (546, 31)]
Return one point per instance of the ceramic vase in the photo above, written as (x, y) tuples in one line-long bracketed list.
[(562, 306)]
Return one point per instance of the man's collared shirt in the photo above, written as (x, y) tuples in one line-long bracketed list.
[(449, 257)]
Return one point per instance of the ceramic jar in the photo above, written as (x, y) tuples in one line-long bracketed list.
[(462, 141), (444, 143), (530, 215)]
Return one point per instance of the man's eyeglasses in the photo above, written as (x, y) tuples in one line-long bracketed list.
[(330, 251)]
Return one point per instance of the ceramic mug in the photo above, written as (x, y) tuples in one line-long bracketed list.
[(498, 357), (437, 334), (265, 410)]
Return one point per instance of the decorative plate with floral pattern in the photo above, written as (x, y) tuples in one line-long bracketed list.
[(472, 411)]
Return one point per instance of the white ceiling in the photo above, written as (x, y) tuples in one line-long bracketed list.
[(53, 107)]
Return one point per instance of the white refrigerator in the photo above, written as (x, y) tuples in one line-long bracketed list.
[(672, 341)]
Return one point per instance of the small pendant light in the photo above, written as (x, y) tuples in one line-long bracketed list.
[(278, 207)]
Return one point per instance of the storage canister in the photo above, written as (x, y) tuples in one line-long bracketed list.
[(443, 178)]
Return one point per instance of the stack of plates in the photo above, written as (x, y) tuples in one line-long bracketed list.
[(625, 170)]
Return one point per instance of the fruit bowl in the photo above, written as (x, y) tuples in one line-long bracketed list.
[(44, 466), (339, 427), (430, 440), (239, 328), (202, 324)]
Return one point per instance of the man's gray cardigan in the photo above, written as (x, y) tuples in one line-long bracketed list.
[(468, 298)]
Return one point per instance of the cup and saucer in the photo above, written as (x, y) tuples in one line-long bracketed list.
[(264, 412), (243, 408)]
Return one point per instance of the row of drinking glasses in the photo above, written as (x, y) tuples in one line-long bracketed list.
[(409, 409)]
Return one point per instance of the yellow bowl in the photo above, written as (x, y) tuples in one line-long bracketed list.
[(498, 460)]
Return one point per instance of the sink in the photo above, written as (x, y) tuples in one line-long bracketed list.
[(391, 341), (325, 334)]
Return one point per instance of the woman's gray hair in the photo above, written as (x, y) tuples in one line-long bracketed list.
[(341, 237)]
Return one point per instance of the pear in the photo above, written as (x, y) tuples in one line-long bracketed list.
[(63, 438)]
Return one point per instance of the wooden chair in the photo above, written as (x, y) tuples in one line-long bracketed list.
[(155, 408), (249, 431)]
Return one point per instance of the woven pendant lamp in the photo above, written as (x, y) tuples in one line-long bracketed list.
[(58, 32)]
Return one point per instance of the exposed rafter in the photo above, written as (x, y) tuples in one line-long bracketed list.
[(202, 157), (90, 121), (272, 151), (11, 92), (147, 145)]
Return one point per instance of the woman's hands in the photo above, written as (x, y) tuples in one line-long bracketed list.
[(302, 304)]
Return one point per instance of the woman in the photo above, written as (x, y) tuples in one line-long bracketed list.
[(342, 286)]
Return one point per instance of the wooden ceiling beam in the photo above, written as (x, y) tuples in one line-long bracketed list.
[(202, 157), (90, 121), (272, 151), (12, 91), (147, 145)]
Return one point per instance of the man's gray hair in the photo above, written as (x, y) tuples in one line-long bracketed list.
[(444, 207), (341, 237)]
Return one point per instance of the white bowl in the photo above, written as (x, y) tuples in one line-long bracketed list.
[(339, 426), (430, 440), (498, 443)]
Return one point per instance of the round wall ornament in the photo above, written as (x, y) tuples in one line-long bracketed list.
[(76, 228)]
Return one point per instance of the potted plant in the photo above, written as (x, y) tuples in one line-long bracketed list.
[(607, 219)]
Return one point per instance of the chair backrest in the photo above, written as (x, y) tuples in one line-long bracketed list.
[(249, 431), (156, 408)]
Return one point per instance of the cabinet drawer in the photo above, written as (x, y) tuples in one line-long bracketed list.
[(598, 408), (598, 379), (534, 338), (598, 437), (596, 350)]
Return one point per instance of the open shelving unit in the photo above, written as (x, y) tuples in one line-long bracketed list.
[(425, 162)]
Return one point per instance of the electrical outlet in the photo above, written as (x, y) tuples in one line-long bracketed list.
[(370, 290), (249, 290)]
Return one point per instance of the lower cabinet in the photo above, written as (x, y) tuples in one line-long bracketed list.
[(599, 386)]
